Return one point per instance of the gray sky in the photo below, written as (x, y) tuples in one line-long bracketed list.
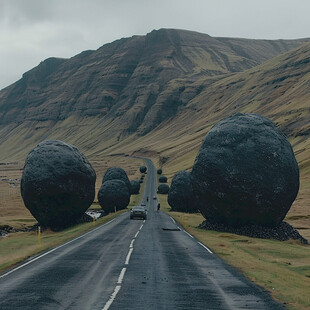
[(33, 30)]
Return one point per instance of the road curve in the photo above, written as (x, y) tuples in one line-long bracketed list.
[(131, 264)]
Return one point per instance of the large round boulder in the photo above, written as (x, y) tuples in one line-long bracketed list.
[(135, 187), (163, 189), (159, 171), (181, 194), (245, 172), (58, 184), (113, 194), (162, 179), (143, 169), (117, 173)]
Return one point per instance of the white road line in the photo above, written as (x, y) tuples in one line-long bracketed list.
[(110, 301), (46, 253), (136, 235), (172, 219), (143, 221), (141, 227), (205, 247), (188, 233), (121, 276), (128, 256), (131, 243)]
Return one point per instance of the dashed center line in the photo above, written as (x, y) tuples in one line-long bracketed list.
[(110, 301), (128, 256), (122, 274)]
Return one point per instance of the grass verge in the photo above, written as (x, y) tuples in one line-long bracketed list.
[(282, 268)]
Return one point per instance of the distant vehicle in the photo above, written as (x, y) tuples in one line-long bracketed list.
[(143, 204), (154, 197), (138, 212)]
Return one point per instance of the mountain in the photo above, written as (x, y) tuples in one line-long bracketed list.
[(154, 92)]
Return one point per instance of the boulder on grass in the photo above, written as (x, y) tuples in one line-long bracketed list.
[(113, 194), (162, 179), (163, 189), (143, 169), (159, 171), (58, 184), (245, 173), (135, 187), (117, 173), (181, 194)]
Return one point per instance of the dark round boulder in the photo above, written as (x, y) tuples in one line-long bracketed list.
[(58, 184), (162, 179), (159, 171), (135, 187), (117, 173), (143, 169), (113, 193), (245, 173), (163, 189), (181, 194)]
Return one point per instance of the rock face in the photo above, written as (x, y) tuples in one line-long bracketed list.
[(117, 173), (113, 193), (135, 187), (163, 189), (245, 173), (58, 184), (163, 179), (181, 194), (143, 169)]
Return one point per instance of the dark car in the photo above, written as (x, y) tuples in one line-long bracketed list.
[(138, 212)]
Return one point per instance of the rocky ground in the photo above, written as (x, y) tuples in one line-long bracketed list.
[(282, 232)]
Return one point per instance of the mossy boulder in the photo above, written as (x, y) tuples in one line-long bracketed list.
[(181, 195), (245, 172), (163, 189), (113, 194), (135, 187), (58, 184)]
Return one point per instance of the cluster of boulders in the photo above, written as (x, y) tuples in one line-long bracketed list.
[(245, 174), (114, 193), (58, 184), (163, 188)]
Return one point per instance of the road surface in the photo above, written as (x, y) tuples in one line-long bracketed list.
[(131, 264)]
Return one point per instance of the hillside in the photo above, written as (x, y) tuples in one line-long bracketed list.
[(131, 86)]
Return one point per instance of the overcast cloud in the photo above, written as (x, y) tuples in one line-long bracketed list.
[(33, 30)]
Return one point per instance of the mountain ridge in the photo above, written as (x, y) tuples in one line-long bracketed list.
[(128, 87)]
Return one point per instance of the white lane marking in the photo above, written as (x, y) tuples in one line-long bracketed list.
[(172, 219), (110, 301), (46, 253), (131, 243), (188, 233), (136, 235), (143, 221), (121, 276), (128, 256), (205, 247), (141, 227)]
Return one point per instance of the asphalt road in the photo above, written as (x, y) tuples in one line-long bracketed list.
[(131, 264)]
